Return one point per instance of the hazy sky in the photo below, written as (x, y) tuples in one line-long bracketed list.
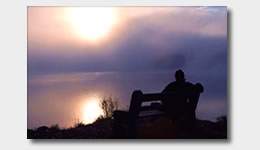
[(80, 54)]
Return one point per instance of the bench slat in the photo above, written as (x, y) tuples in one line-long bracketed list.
[(155, 107), (151, 97)]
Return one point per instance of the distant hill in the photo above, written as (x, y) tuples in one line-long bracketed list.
[(148, 128)]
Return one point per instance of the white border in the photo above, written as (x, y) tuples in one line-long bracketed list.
[(243, 88), (127, 2)]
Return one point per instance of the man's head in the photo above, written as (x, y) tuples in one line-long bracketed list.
[(179, 75)]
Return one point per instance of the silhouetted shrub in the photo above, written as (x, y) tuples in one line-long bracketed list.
[(79, 124), (55, 127), (42, 129), (222, 119), (108, 105)]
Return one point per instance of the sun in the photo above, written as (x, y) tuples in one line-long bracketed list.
[(92, 23), (91, 111)]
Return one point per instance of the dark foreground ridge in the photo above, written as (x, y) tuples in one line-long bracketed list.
[(156, 127)]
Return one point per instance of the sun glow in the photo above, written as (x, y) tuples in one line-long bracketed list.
[(92, 23), (91, 111)]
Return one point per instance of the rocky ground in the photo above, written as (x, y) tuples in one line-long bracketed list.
[(148, 128)]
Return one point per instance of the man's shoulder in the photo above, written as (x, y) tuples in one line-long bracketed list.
[(172, 83), (170, 86), (189, 84)]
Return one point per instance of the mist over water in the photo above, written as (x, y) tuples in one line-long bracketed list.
[(61, 98)]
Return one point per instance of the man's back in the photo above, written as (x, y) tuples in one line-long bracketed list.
[(182, 88)]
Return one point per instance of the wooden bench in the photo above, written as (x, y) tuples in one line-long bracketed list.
[(125, 123)]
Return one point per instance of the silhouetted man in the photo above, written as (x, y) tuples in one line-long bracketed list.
[(181, 97), (179, 85)]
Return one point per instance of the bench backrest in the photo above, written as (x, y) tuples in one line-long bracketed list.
[(138, 98)]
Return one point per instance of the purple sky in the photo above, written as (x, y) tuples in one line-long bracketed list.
[(141, 51)]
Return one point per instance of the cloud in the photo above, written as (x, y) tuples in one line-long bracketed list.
[(143, 40)]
